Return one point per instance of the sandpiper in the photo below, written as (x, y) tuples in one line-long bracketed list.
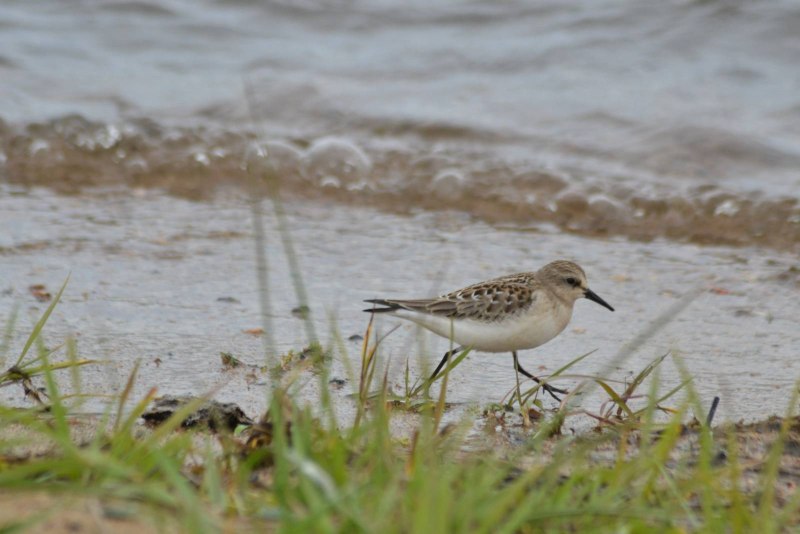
[(506, 314)]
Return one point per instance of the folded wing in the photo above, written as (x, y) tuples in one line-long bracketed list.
[(483, 302)]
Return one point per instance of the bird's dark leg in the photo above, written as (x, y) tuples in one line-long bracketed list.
[(547, 387), (444, 361)]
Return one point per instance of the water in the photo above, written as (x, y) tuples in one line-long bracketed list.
[(674, 119)]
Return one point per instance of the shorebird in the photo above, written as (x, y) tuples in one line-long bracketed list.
[(507, 314)]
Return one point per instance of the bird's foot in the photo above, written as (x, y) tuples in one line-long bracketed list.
[(552, 390)]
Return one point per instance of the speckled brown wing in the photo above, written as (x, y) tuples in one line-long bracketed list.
[(486, 301)]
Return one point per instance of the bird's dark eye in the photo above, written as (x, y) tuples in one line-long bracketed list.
[(571, 281)]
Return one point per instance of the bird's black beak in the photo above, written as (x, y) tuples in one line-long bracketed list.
[(591, 295)]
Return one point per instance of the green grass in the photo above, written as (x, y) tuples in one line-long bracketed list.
[(300, 472)]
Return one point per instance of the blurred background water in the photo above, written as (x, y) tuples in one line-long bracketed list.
[(643, 119)]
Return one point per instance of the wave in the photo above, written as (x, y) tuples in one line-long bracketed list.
[(73, 154)]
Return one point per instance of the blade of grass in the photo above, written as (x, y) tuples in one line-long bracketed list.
[(637, 381), (37, 328), (269, 177), (621, 404), (123, 398), (769, 474), (8, 333)]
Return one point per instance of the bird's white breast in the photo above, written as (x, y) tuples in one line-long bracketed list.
[(526, 330)]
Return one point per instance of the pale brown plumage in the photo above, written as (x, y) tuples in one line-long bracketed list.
[(509, 313), (492, 300)]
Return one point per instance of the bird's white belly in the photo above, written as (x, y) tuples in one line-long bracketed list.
[(516, 333)]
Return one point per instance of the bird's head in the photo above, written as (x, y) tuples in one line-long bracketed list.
[(568, 281)]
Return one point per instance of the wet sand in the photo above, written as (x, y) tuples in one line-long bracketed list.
[(171, 283)]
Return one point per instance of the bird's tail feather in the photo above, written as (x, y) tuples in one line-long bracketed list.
[(390, 306)]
